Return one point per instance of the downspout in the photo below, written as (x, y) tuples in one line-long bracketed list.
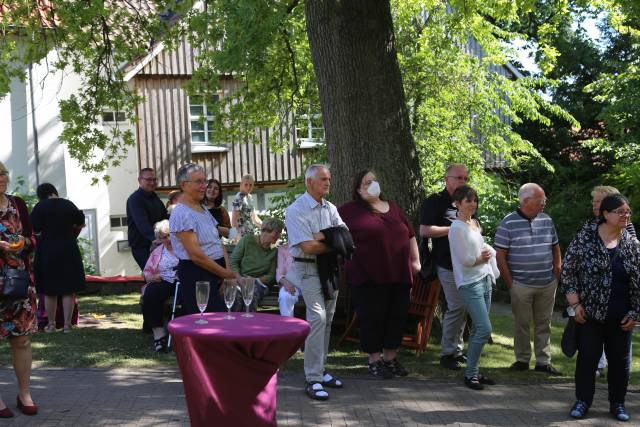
[(36, 151)]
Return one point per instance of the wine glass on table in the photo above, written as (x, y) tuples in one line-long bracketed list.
[(230, 289), (246, 284), (202, 299)]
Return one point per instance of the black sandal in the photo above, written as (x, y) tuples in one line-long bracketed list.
[(315, 391), (160, 345), (329, 380)]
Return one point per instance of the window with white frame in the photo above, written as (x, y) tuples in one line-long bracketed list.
[(309, 129), (118, 222), (110, 116), (202, 133)]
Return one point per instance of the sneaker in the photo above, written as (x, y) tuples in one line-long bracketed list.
[(449, 362), (548, 369), (461, 358), (396, 368), (380, 370), (618, 412), (579, 409), (473, 383), (519, 366)]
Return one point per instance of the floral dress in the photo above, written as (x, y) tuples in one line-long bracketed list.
[(243, 204), (17, 316)]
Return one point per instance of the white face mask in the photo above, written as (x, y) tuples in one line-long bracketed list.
[(374, 189)]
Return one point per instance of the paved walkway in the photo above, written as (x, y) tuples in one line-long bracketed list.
[(145, 397)]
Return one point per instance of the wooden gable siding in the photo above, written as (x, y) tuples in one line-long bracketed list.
[(242, 158), (164, 139), (177, 62), (163, 132)]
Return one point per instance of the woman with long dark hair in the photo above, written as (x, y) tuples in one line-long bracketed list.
[(381, 271), (213, 202)]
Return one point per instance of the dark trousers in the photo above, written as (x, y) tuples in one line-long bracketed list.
[(155, 294), (189, 273), (141, 254), (591, 336), (382, 311)]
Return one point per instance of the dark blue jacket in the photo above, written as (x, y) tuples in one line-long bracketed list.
[(144, 209)]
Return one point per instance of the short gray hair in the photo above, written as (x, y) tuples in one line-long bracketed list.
[(186, 170), (161, 227), (272, 224), (527, 191), (313, 170)]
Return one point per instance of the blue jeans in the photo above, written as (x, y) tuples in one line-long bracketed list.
[(476, 297)]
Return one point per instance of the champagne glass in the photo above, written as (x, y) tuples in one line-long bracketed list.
[(230, 289), (202, 298), (246, 284)]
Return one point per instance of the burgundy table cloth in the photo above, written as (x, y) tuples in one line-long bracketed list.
[(229, 367)]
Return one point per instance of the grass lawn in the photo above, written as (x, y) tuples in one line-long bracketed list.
[(114, 339)]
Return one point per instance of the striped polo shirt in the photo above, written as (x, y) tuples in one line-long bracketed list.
[(529, 245)]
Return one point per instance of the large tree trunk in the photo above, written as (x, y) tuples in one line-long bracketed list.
[(365, 115)]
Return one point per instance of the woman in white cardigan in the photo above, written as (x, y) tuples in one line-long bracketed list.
[(472, 262)]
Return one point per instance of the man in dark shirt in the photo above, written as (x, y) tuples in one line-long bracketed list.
[(436, 216), (144, 209)]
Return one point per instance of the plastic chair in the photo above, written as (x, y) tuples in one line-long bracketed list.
[(424, 300)]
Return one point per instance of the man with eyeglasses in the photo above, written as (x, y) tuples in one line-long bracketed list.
[(144, 209), (528, 256), (437, 214)]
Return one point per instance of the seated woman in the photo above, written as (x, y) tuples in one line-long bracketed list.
[(255, 256), (289, 292), (160, 275)]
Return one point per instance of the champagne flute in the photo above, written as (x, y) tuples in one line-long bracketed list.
[(202, 298), (246, 284), (230, 289)]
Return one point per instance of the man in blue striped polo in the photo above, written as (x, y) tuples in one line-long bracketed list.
[(528, 256)]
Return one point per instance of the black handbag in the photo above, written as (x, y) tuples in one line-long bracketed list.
[(15, 283), (569, 342)]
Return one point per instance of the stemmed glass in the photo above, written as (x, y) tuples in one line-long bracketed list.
[(202, 298), (230, 289), (246, 284)]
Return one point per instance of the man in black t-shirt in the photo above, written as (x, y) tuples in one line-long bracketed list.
[(436, 216)]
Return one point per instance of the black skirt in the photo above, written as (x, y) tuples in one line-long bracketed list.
[(189, 273)]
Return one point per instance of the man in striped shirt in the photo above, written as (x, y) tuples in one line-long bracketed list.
[(528, 257)]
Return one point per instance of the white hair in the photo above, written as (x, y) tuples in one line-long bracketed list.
[(527, 191), (313, 170), (161, 227), (185, 171)]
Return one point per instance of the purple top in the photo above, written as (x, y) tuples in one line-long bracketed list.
[(382, 252)]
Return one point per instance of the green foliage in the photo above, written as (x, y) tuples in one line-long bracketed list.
[(86, 249), (26, 193)]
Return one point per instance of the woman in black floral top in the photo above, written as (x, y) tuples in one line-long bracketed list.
[(601, 279)]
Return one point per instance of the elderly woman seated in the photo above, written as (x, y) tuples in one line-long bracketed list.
[(160, 275), (255, 256)]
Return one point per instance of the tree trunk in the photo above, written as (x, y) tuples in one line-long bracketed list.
[(365, 115)]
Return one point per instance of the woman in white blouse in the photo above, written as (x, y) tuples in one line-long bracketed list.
[(472, 262)]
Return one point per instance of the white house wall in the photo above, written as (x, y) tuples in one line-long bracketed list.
[(56, 166)]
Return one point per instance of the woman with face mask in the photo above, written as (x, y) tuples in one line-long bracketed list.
[(381, 272)]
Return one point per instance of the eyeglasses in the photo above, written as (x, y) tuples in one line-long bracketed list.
[(198, 182), (459, 178), (622, 213), (149, 179)]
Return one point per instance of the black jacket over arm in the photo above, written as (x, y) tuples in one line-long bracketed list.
[(329, 264)]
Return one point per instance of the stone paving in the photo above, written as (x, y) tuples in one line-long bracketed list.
[(151, 397)]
